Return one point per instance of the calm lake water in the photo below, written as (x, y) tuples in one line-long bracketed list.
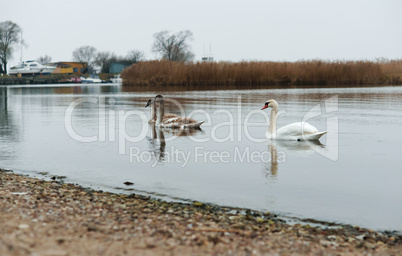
[(353, 177)]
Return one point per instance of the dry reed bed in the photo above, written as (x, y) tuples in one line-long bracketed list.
[(314, 72)]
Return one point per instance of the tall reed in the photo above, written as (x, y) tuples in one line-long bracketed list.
[(311, 72)]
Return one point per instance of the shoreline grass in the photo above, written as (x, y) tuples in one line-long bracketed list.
[(249, 74)]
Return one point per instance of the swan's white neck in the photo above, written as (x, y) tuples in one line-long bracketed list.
[(272, 122)]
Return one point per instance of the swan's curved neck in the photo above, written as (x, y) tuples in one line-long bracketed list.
[(153, 110), (272, 122), (161, 112)]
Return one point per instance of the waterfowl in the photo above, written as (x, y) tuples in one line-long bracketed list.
[(295, 131), (169, 120)]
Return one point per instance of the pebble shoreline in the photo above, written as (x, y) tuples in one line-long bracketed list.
[(39, 217)]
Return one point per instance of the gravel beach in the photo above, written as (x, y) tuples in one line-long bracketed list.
[(39, 217)]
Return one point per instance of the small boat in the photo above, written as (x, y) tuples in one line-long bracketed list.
[(31, 67), (91, 79), (75, 80), (116, 79)]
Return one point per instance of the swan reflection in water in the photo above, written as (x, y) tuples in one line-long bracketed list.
[(279, 150), (162, 122), (157, 150), (158, 134)]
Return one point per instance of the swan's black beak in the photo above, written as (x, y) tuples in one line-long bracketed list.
[(148, 103)]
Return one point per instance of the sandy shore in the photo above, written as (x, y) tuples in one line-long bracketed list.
[(40, 217)]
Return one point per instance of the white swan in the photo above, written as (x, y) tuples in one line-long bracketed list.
[(169, 120), (295, 131)]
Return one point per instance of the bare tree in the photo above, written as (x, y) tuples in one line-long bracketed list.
[(86, 54), (135, 56), (103, 60), (173, 47), (44, 59), (9, 36)]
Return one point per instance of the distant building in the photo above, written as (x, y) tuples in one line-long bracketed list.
[(69, 67), (117, 67), (207, 59)]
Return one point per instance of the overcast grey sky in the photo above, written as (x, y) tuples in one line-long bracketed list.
[(235, 30)]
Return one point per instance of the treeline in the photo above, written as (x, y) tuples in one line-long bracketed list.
[(312, 72)]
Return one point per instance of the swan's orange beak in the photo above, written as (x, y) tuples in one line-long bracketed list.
[(266, 105)]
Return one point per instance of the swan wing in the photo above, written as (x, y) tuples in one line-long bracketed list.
[(173, 122), (180, 122), (299, 131), (167, 116), (308, 128), (296, 129)]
